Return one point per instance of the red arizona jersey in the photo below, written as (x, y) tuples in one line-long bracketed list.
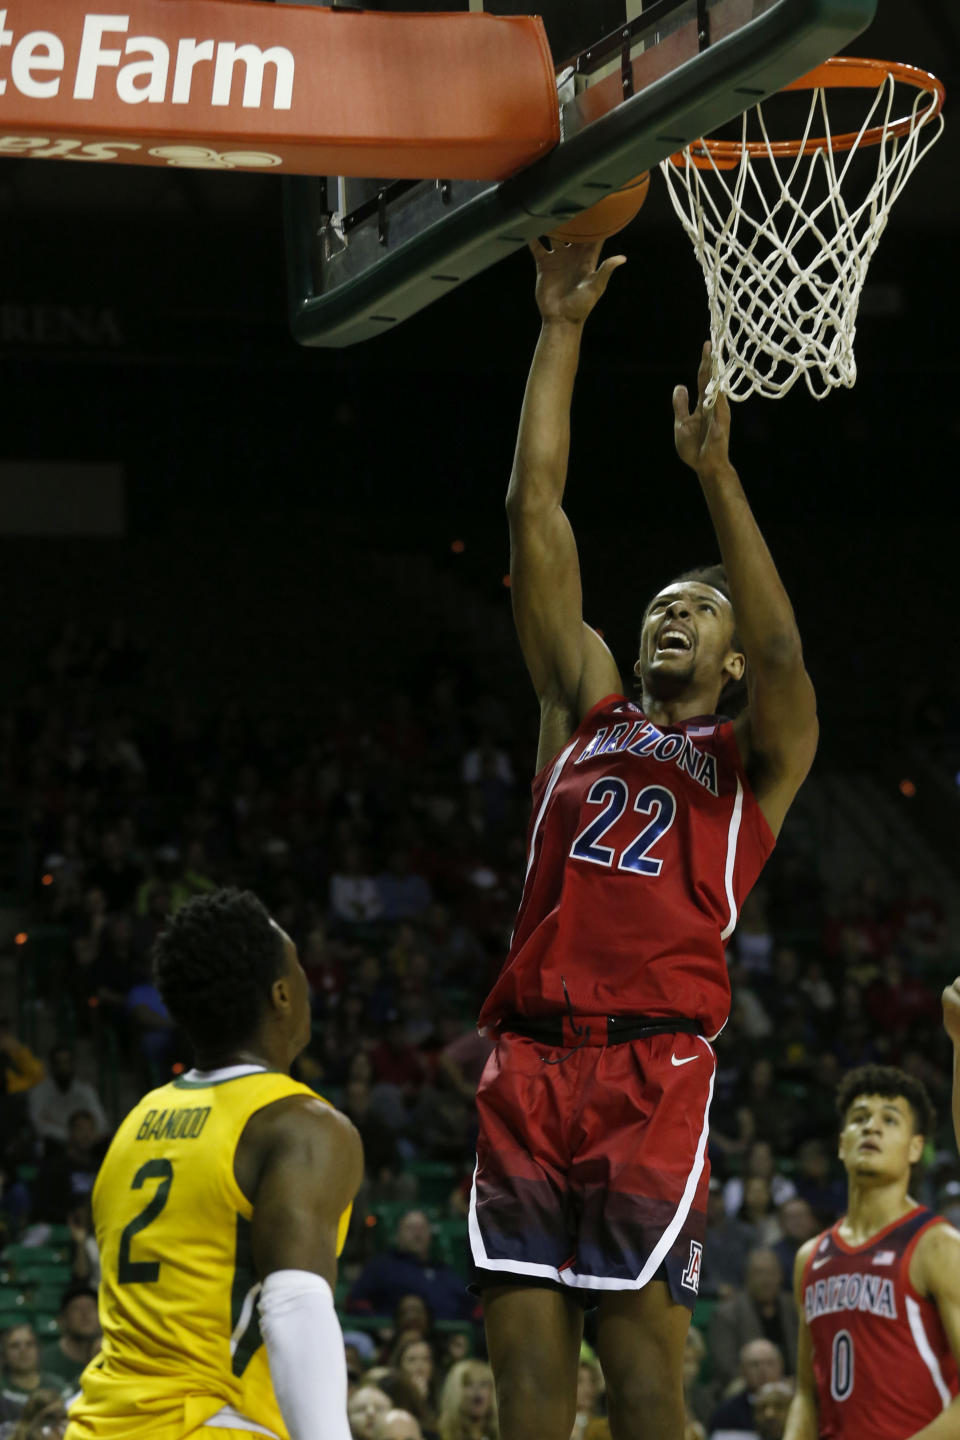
[(642, 846), (881, 1362)]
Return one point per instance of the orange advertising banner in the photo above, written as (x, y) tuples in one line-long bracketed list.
[(239, 85)]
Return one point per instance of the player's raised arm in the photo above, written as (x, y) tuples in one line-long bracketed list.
[(569, 664), (312, 1164), (951, 1023), (778, 733), (802, 1415)]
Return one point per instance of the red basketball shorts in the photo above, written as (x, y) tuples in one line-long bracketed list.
[(593, 1173)]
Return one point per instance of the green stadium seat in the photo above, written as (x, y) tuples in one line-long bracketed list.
[(435, 1179), (15, 1309), (701, 1315), (46, 1299), (455, 1327), (453, 1244), (370, 1323), (54, 1278), (34, 1256)]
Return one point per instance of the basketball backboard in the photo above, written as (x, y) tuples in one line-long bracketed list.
[(365, 255)]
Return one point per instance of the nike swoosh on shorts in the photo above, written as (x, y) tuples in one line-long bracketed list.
[(689, 1060)]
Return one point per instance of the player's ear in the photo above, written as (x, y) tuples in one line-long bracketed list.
[(636, 668), (734, 665), (915, 1152), (280, 993)]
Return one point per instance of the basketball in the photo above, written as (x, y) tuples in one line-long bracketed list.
[(608, 216)]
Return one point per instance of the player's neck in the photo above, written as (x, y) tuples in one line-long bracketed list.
[(871, 1208), (259, 1052), (674, 710)]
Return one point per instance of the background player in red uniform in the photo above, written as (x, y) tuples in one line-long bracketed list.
[(649, 825), (878, 1293)]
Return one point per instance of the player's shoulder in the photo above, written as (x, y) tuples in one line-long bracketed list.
[(805, 1254), (305, 1113), (304, 1120), (295, 1131)]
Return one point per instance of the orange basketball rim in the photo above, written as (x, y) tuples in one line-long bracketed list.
[(841, 73)]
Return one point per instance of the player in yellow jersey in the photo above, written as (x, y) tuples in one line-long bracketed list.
[(221, 1207)]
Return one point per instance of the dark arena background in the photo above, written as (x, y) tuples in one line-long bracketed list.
[(256, 631)]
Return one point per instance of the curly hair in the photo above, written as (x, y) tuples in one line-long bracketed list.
[(892, 1084), (214, 963), (733, 696)]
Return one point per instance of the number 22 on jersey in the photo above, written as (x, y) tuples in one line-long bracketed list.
[(613, 795)]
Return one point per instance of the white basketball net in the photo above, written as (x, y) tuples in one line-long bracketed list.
[(785, 253)]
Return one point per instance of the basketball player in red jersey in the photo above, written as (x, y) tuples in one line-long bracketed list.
[(650, 823), (879, 1292)]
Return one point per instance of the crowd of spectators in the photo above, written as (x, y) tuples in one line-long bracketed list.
[(387, 837)]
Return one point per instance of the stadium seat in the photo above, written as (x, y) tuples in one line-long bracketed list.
[(371, 1323), (45, 1299), (453, 1245), (435, 1179), (15, 1309), (36, 1256)]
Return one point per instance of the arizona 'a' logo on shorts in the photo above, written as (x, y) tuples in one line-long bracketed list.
[(691, 1276)]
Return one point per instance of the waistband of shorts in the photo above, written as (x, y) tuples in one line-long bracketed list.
[(569, 1030)]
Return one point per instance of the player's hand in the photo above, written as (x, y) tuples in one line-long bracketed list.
[(951, 1011), (702, 437), (569, 281)]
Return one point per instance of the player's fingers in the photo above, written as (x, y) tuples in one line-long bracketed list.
[(612, 262), (681, 404), (705, 369)]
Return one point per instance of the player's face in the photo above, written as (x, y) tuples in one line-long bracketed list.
[(687, 639), (878, 1141)]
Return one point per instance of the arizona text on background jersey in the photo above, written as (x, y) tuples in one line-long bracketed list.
[(881, 1360), (643, 843)]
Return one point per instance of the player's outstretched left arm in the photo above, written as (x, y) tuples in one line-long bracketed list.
[(778, 733), (951, 1023), (802, 1415), (935, 1272)]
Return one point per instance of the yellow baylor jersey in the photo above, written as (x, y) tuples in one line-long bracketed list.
[(178, 1295)]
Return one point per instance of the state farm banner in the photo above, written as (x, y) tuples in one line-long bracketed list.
[(234, 85)]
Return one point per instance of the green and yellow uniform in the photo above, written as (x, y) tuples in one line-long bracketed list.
[(178, 1297)]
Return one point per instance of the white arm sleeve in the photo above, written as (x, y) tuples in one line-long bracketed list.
[(305, 1349)]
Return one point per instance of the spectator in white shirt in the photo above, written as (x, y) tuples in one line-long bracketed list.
[(59, 1095)]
